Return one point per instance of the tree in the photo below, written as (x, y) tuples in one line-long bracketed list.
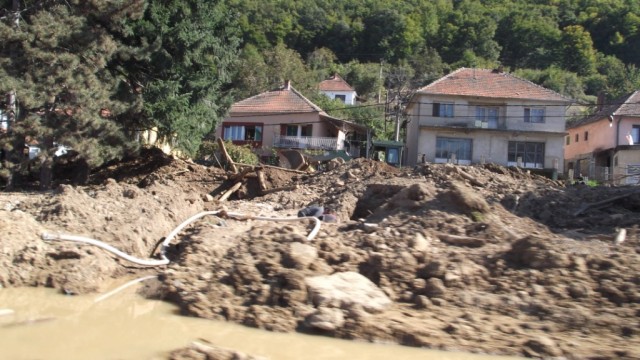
[(181, 55), (578, 51), (56, 64)]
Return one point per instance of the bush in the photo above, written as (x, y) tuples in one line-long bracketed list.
[(239, 153)]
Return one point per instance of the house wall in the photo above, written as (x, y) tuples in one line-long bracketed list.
[(492, 146), (626, 124), (490, 143), (350, 96), (272, 123), (622, 160), (601, 136)]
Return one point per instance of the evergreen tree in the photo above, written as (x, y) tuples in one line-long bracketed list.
[(55, 60), (180, 58)]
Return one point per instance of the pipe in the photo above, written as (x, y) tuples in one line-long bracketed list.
[(164, 260), (124, 286)]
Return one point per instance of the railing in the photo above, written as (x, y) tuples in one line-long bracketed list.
[(307, 142)]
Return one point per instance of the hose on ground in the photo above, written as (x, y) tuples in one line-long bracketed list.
[(163, 258), (124, 286)]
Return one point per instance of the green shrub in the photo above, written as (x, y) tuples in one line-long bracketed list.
[(239, 153)]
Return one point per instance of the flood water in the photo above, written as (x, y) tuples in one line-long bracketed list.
[(38, 323)]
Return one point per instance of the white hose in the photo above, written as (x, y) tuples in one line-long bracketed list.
[(164, 260), (124, 286)]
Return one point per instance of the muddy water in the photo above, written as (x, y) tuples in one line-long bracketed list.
[(44, 324)]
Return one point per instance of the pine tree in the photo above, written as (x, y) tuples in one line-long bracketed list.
[(180, 59), (55, 60)]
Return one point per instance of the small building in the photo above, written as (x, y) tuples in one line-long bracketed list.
[(284, 119), (337, 88), (605, 146)]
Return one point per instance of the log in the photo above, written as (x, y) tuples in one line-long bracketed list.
[(240, 175), (284, 188), (233, 189), (227, 157), (602, 203), (280, 168), (459, 240), (261, 181)]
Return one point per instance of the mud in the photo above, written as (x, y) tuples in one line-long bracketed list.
[(483, 259)]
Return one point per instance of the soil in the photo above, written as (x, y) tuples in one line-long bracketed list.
[(479, 258)]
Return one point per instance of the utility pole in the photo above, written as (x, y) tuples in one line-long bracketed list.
[(398, 108)]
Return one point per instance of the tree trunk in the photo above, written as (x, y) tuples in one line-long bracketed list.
[(46, 173)]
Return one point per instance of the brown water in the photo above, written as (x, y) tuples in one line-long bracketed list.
[(48, 325)]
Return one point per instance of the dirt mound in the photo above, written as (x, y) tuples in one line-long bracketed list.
[(477, 258)]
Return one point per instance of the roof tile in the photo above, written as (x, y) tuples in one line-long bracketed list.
[(335, 83), (283, 100), (489, 83)]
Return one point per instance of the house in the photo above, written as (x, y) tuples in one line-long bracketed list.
[(605, 146), (336, 88), (480, 115), (285, 119)]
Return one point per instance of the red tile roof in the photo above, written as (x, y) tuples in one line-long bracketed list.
[(335, 83), (490, 84), (283, 100)]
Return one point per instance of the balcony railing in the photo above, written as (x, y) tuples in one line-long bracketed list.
[(307, 142)]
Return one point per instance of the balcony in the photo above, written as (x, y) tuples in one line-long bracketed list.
[(307, 142)]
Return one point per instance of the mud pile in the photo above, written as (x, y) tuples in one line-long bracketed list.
[(481, 258)]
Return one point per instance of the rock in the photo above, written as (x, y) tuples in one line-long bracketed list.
[(468, 199), (536, 253), (435, 288), (370, 227), (423, 302), (300, 256), (342, 290), (579, 290), (207, 198), (419, 242), (200, 350), (328, 319), (541, 347), (433, 269)]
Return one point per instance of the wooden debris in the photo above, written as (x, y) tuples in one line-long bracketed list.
[(284, 188), (600, 204), (261, 181), (227, 157), (233, 189), (459, 240), (241, 174)]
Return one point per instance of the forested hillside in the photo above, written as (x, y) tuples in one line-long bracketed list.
[(93, 74), (577, 47)]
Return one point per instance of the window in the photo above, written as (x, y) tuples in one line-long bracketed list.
[(530, 153), (461, 148), (577, 137), (488, 114), (243, 132), (586, 135), (443, 109), (534, 115), (392, 156), (635, 134), (298, 130), (343, 98), (568, 140)]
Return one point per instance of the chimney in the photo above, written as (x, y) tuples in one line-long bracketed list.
[(287, 85), (600, 101)]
